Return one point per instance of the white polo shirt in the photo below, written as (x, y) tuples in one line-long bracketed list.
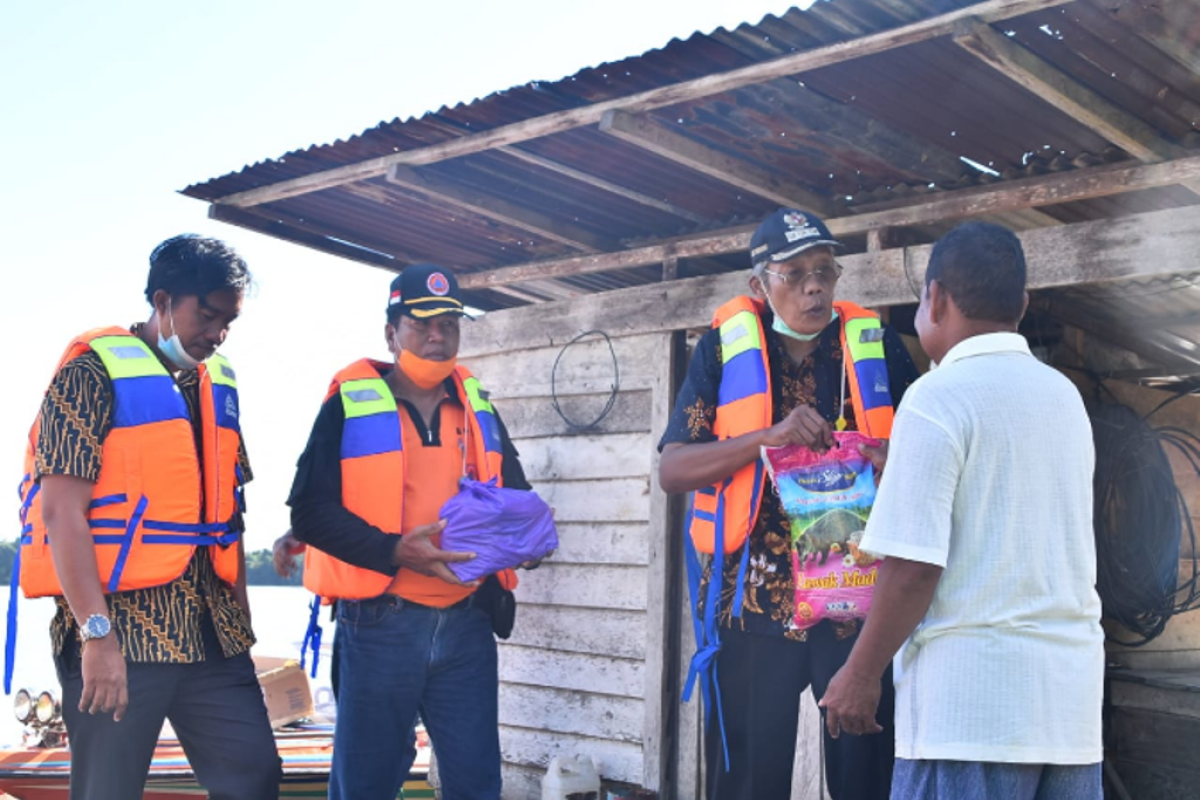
[(990, 476)]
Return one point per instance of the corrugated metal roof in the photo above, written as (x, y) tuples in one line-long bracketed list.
[(865, 133)]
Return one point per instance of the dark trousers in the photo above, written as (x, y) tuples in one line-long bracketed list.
[(761, 679), (216, 708)]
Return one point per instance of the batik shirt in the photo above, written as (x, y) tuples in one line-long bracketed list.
[(161, 624)]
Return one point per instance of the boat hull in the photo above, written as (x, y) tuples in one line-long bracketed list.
[(36, 773)]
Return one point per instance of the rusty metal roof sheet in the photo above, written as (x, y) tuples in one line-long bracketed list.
[(869, 132)]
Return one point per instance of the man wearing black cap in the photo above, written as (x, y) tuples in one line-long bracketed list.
[(387, 450), (777, 368)]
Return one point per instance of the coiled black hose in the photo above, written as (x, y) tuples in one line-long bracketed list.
[(1141, 517)]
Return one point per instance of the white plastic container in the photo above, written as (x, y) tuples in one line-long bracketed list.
[(567, 776)]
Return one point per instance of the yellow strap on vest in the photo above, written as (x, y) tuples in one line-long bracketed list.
[(220, 372), (477, 397), (127, 357), (739, 333), (366, 396), (860, 349)]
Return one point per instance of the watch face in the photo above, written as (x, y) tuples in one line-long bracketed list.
[(96, 627)]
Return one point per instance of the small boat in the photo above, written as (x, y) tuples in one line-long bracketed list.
[(42, 773), (40, 768)]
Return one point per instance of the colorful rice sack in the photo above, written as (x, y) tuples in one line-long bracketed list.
[(827, 498)]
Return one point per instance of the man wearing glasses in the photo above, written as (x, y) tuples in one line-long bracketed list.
[(801, 371)]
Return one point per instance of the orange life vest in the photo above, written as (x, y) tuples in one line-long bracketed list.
[(373, 476), (153, 504), (744, 405)]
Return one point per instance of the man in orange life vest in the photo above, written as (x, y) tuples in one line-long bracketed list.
[(387, 450), (132, 519), (776, 369)]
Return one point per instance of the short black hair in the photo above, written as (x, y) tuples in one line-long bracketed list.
[(191, 265), (982, 267)]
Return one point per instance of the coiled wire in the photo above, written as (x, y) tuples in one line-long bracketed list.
[(1141, 518)]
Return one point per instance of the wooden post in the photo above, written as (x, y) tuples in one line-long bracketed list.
[(670, 266), (665, 584)]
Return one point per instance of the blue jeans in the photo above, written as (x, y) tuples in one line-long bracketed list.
[(397, 660)]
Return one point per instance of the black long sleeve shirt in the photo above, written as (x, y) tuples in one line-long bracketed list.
[(319, 518)]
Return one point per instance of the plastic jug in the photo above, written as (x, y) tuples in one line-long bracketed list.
[(570, 776)]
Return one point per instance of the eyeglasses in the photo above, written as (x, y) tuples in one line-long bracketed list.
[(795, 279)]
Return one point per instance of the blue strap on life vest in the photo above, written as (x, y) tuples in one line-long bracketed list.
[(703, 666), (312, 636), (119, 567), (740, 589), (10, 636), (14, 585)]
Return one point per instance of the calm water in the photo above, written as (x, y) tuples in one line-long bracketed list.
[(280, 617)]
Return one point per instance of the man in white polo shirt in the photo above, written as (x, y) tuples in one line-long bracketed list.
[(987, 595)]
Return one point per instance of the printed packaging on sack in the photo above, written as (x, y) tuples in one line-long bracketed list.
[(827, 498)]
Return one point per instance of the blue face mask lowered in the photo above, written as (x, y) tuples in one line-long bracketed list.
[(172, 349), (781, 327)]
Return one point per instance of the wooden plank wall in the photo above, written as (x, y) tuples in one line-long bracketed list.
[(584, 670), (591, 667)]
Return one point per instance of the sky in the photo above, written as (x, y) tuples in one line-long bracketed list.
[(107, 110)]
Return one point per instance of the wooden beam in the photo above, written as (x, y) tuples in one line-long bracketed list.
[(519, 294), (1023, 193), (1060, 90), (729, 240), (706, 86), (1088, 252), (497, 210), (1172, 358), (1022, 219), (651, 135), (601, 184), (306, 238), (1059, 187)]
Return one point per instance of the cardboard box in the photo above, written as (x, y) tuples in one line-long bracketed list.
[(285, 689)]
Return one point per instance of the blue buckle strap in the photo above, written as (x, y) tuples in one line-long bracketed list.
[(312, 636), (197, 539), (108, 500), (185, 527), (114, 580), (28, 501), (189, 533)]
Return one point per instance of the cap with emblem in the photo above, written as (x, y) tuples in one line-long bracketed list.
[(424, 290), (786, 233)]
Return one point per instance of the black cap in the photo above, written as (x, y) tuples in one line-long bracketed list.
[(786, 233), (424, 290)]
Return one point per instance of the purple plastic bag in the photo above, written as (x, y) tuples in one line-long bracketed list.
[(503, 527)]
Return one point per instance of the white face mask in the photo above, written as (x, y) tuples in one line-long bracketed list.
[(173, 349)]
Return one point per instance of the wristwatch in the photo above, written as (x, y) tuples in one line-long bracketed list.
[(97, 626)]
